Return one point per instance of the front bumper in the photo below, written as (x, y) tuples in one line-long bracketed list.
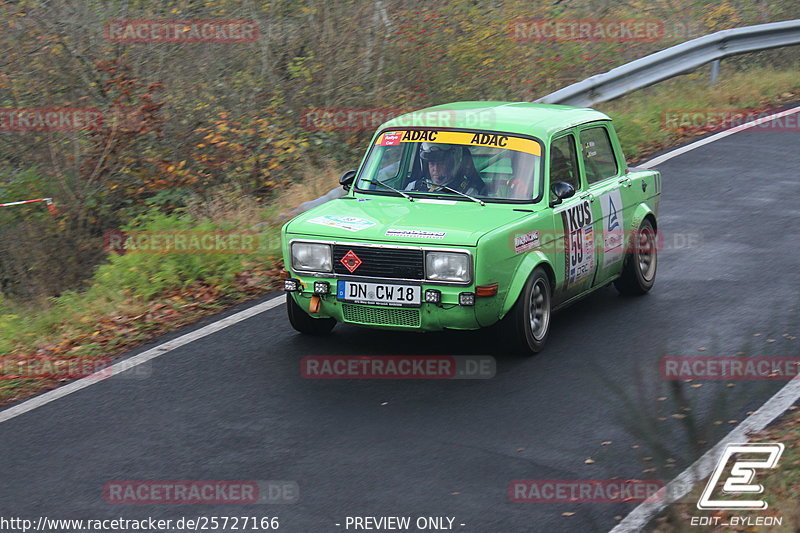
[(427, 317)]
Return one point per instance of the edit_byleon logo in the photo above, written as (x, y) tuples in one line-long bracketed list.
[(740, 479)]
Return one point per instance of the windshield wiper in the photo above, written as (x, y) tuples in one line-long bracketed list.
[(401, 193), (465, 195)]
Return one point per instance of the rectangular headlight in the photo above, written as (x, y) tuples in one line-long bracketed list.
[(312, 257), (447, 266)]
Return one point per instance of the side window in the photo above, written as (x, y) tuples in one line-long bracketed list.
[(564, 161), (598, 156)]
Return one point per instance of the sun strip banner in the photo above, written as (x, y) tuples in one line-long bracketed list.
[(494, 140)]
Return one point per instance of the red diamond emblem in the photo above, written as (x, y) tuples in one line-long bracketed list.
[(351, 261)]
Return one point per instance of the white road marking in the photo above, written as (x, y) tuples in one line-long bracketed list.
[(721, 135), (772, 409), (138, 359)]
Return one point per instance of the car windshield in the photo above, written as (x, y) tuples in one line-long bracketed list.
[(484, 165)]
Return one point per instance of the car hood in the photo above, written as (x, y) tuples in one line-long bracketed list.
[(423, 221)]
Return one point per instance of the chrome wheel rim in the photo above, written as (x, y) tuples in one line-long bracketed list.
[(646, 254), (539, 309)]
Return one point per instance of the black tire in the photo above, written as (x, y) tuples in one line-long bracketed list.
[(304, 323), (639, 270), (527, 325)]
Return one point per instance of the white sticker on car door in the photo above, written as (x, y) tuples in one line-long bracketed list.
[(613, 228), (579, 241)]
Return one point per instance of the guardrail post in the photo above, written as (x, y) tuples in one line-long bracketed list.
[(714, 72)]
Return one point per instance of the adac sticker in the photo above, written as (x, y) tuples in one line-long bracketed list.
[(348, 223), (415, 233), (465, 138)]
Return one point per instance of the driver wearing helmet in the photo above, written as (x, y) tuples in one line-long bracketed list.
[(444, 164)]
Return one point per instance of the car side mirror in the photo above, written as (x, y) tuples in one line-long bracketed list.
[(561, 191), (347, 178)]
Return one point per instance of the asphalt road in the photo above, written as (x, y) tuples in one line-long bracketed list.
[(233, 406)]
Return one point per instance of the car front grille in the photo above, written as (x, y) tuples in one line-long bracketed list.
[(393, 263), (377, 316)]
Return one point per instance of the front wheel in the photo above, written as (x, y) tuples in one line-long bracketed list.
[(304, 323), (527, 324), (639, 271)]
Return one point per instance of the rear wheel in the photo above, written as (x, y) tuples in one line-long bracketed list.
[(527, 324), (639, 271), (304, 323)]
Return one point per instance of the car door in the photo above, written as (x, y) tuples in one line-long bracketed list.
[(604, 170), (575, 217)]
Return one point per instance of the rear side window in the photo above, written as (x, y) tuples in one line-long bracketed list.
[(598, 156), (564, 162)]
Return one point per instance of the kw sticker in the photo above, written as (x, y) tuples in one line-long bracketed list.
[(494, 140), (579, 242), (525, 242), (613, 228), (348, 223)]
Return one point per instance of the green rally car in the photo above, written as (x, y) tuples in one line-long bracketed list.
[(471, 215)]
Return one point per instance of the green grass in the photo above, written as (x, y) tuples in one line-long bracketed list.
[(127, 283)]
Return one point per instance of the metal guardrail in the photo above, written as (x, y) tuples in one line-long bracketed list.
[(649, 70), (676, 60)]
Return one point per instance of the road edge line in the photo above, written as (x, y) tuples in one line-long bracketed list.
[(136, 360), (717, 136)]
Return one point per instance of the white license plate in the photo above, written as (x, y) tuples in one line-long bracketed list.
[(361, 292)]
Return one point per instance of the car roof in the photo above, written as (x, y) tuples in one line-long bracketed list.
[(540, 120)]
